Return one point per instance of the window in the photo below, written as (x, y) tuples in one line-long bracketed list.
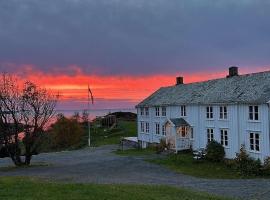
[(157, 129), (163, 130), (224, 137), (254, 113), (157, 111), (142, 127), (142, 111), (191, 133), (223, 112), (147, 111), (183, 111), (183, 131), (209, 112), (254, 141), (163, 111), (147, 127), (210, 134)]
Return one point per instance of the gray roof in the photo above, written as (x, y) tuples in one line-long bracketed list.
[(179, 122), (249, 88)]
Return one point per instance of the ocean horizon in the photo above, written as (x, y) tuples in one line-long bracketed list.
[(93, 113)]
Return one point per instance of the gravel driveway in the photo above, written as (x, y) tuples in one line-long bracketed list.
[(100, 165)]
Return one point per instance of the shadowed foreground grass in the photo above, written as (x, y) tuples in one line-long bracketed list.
[(31, 189)]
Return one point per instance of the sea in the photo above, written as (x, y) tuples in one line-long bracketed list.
[(93, 113)]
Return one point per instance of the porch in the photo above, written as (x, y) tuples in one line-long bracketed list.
[(178, 134)]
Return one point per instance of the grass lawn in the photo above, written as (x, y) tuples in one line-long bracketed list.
[(135, 152), (31, 189), (185, 164), (100, 137)]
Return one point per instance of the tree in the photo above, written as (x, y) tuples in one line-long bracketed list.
[(85, 117), (76, 116), (66, 133), (24, 113)]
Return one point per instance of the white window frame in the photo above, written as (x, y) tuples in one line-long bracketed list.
[(209, 112), (146, 111), (253, 115), (157, 132), (254, 142), (210, 134), (183, 110), (223, 112), (183, 131), (164, 130), (157, 111), (142, 127), (142, 111), (192, 133), (147, 127), (163, 111), (224, 137)]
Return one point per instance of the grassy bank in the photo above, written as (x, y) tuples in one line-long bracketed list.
[(101, 136), (30, 189), (185, 164)]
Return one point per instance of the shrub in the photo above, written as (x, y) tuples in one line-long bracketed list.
[(162, 146), (215, 151), (266, 166), (246, 165)]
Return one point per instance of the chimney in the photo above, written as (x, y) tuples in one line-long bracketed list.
[(179, 80), (233, 71)]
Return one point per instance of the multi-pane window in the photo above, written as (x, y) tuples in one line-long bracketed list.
[(142, 111), (183, 111), (157, 111), (209, 112), (224, 137), (142, 127), (210, 134), (147, 127), (147, 111), (253, 112), (183, 131), (163, 109), (254, 141), (163, 130), (223, 114), (157, 128)]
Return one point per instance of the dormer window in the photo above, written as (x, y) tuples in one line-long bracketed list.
[(254, 113)]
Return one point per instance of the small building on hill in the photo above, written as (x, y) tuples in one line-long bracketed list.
[(233, 110)]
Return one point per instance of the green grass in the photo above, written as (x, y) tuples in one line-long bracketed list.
[(31, 189), (135, 152), (100, 137), (185, 164)]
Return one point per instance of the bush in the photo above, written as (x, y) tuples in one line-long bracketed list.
[(215, 151), (266, 166), (66, 133), (162, 146), (246, 165)]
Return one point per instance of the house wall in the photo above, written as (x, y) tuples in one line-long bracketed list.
[(237, 124)]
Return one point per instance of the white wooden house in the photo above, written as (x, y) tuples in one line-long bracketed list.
[(233, 110)]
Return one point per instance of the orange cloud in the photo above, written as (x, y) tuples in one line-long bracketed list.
[(129, 88)]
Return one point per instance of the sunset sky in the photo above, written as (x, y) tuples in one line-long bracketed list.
[(126, 49)]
